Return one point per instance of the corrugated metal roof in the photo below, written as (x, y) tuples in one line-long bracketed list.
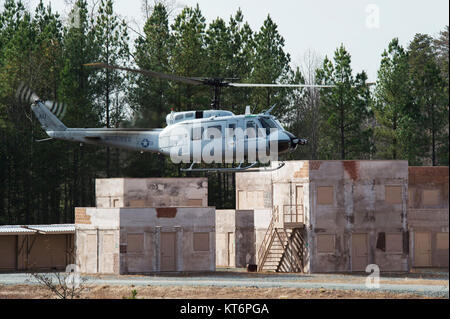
[(55, 228), (13, 229), (30, 229)]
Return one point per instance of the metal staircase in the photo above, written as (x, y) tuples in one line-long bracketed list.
[(283, 248)]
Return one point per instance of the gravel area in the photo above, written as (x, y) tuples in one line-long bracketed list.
[(433, 284)]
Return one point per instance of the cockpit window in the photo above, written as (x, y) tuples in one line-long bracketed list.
[(267, 123), (278, 123)]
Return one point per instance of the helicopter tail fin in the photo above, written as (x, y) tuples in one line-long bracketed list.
[(47, 119), (46, 112)]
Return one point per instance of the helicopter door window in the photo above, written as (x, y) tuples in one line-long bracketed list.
[(197, 133), (231, 130), (213, 132), (267, 124), (199, 114), (251, 129)]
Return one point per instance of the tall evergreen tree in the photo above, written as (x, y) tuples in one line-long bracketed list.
[(149, 97), (395, 136), (112, 42), (189, 58), (428, 92), (345, 110), (31, 54), (270, 65), (77, 90), (441, 47), (241, 65)]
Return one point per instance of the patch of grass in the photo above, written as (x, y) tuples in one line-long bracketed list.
[(132, 296)]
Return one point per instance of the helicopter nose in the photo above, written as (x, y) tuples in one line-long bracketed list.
[(282, 141), (296, 141)]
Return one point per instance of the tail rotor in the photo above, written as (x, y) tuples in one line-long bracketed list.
[(27, 96)]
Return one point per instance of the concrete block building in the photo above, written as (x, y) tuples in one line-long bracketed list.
[(127, 235), (428, 216), (145, 240), (336, 216)]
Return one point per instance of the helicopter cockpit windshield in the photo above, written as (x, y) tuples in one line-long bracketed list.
[(268, 123)]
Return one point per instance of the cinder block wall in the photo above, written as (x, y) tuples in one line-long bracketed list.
[(428, 216)]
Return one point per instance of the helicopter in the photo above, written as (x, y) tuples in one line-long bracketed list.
[(195, 137)]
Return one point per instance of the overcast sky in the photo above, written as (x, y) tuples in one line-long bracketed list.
[(365, 27)]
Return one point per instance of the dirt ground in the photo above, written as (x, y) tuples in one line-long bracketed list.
[(171, 292)]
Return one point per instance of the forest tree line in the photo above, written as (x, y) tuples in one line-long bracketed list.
[(403, 116)]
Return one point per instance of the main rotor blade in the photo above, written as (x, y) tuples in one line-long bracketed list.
[(318, 86), (148, 73), (252, 85)]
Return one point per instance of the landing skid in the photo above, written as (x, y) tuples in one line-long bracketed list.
[(250, 169)]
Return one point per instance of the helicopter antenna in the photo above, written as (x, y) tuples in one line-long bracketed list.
[(270, 110)]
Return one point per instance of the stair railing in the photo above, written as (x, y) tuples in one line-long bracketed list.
[(263, 249)]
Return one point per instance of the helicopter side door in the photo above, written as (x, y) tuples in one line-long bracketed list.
[(251, 139)]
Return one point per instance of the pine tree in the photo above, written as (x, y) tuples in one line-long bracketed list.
[(32, 54), (239, 68), (430, 103), (394, 134), (441, 48), (271, 65), (112, 42), (344, 109), (189, 59), (77, 90), (149, 97)]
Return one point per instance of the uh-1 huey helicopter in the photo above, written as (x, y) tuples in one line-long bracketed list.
[(193, 137)]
